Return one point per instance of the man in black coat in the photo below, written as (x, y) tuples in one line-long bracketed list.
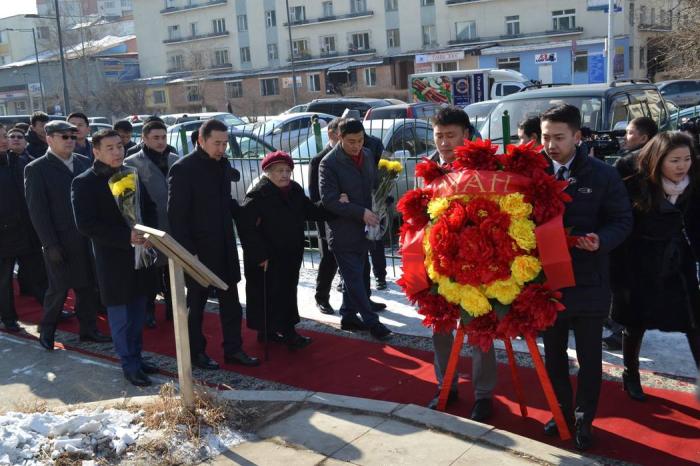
[(67, 255), (122, 287), (327, 267), (125, 130), (601, 217), (36, 137), (201, 213), (351, 170)]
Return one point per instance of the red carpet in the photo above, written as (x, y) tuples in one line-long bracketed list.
[(663, 431)]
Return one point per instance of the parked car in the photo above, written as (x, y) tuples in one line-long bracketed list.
[(95, 127), (287, 131), (11, 120), (479, 111), (422, 110), (99, 120), (680, 116), (604, 109), (180, 130), (296, 109), (227, 118), (337, 105), (683, 92)]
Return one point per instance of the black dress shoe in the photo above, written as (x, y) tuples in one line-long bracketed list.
[(138, 378), (149, 368), (376, 307), (46, 339), (203, 361), (272, 336), (296, 341), (632, 384), (241, 358), (150, 319), (482, 410), (352, 323), (452, 397), (66, 315), (95, 336), (584, 435), (12, 326), (551, 429), (380, 332), (381, 285), (325, 308)]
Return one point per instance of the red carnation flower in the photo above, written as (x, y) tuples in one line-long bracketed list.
[(476, 155), (482, 330), (439, 314), (429, 170), (524, 159), (547, 196), (479, 209), (533, 311), (413, 206)]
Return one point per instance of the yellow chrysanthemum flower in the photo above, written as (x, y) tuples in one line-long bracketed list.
[(523, 232), (128, 183), (515, 205), (436, 207), (505, 291), (525, 269), (396, 166)]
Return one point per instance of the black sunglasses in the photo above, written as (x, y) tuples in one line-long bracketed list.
[(16, 136), (66, 137)]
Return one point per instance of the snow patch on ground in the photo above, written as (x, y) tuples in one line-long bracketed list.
[(33, 439)]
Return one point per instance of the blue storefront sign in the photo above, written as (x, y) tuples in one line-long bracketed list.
[(596, 69), (479, 88), (462, 90)]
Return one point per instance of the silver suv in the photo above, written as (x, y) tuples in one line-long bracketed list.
[(684, 93)]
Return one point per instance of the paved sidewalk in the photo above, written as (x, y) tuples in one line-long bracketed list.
[(305, 429)]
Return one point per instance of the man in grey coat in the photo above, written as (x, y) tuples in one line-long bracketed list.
[(349, 169), (152, 163), (67, 253)]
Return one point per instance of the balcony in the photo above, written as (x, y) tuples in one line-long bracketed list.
[(655, 27), (353, 51), (335, 54), (211, 35), (192, 6), (464, 2), (327, 19), (176, 69), (510, 37)]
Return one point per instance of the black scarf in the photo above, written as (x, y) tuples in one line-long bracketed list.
[(159, 159), (102, 169)]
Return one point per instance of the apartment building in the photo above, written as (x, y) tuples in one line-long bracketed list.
[(214, 53)]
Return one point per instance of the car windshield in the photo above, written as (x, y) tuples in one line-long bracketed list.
[(519, 110), (231, 120)]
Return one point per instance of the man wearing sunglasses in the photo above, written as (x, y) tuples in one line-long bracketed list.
[(18, 144), (67, 253)]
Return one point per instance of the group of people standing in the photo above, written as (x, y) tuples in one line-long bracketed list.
[(635, 259)]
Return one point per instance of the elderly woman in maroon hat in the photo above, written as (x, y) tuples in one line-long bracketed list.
[(271, 228)]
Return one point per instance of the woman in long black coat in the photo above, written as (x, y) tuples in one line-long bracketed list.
[(655, 280), (271, 228)]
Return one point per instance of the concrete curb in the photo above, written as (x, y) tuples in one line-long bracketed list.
[(418, 415)]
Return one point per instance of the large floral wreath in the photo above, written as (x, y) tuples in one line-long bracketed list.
[(473, 242)]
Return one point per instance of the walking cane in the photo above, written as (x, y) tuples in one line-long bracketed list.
[(267, 354)]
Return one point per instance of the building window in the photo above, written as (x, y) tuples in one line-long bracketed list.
[(193, 29), (630, 57), (21, 106), (174, 32), (642, 14), (642, 58), (391, 5), (359, 41), (327, 9), (393, 39), (270, 18), (429, 35), (3, 59), (245, 54), (297, 14), (513, 25), (242, 23), (272, 52), (370, 77), (314, 82), (269, 86), (427, 2), (581, 62), (234, 89), (631, 13), (300, 48), (465, 30), (358, 6), (509, 63), (564, 20), (193, 93), (446, 66), (221, 57), (327, 45), (177, 62), (42, 32), (158, 97), (219, 25)]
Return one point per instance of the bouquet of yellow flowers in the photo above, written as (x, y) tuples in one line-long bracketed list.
[(124, 186), (388, 172)]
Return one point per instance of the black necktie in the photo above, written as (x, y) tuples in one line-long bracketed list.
[(561, 173)]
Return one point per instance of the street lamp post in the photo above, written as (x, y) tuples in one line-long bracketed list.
[(38, 67)]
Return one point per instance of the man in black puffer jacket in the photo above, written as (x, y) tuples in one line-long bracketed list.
[(36, 137)]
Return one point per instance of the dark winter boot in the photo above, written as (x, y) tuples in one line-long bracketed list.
[(631, 344)]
